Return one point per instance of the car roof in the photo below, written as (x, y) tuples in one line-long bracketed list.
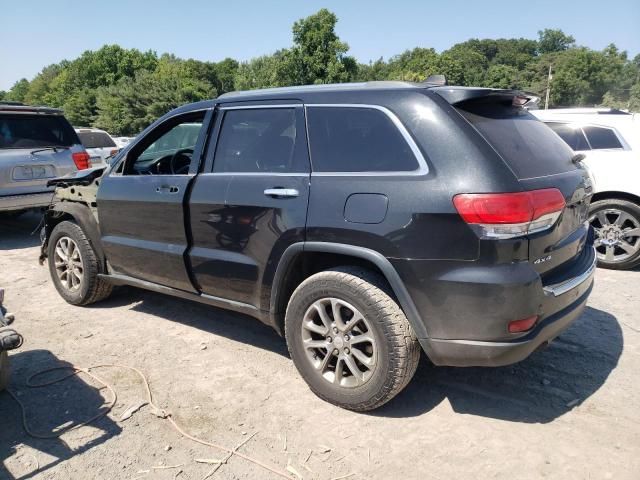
[(17, 107)]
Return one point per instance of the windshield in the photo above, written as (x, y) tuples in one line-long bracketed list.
[(95, 139), (33, 131)]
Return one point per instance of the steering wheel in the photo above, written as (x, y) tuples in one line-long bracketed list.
[(180, 170)]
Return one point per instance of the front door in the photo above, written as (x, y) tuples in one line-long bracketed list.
[(141, 203), (261, 169)]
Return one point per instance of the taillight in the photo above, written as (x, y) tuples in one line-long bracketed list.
[(506, 215), (518, 326), (81, 159), (113, 152)]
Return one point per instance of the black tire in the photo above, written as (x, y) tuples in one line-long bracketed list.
[(616, 205), (4, 370), (91, 288), (397, 349)]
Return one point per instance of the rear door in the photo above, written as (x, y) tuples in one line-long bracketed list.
[(539, 159), (251, 203), (141, 203)]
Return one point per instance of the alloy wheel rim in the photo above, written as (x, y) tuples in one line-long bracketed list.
[(617, 235), (68, 262), (339, 342)]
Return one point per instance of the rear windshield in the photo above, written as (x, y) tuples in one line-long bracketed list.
[(95, 139), (33, 131), (526, 144)]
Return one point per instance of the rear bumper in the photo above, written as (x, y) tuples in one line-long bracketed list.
[(24, 202), (469, 310), (470, 353)]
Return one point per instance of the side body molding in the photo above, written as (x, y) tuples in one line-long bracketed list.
[(372, 256)]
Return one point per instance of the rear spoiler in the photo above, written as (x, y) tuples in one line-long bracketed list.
[(457, 95)]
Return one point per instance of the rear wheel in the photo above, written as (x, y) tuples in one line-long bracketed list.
[(617, 227), (74, 266), (349, 339)]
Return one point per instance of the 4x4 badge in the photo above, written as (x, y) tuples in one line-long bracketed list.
[(542, 260)]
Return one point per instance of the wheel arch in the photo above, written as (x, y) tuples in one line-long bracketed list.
[(79, 214), (615, 195), (303, 259)]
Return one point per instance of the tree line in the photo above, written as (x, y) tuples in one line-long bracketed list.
[(123, 90)]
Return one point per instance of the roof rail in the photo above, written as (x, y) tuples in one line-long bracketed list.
[(11, 102)]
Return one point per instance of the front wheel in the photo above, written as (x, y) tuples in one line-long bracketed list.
[(617, 227), (349, 339), (74, 266)]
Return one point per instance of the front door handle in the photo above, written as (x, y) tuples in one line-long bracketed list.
[(167, 189), (281, 192)]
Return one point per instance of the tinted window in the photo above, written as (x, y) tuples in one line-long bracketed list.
[(526, 144), (571, 134), (601, 138), (33, 131), (349, 139), (95, 139), (257, 140)]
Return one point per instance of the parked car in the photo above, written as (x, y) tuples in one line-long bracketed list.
[(9, 340), (361, 221), (98, 143), (122, 142), (610, 142), (36, 144)]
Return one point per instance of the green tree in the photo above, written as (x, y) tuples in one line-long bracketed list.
[(18, 91), (554, 40)]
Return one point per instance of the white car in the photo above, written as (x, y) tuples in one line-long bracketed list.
[(610, 141), (98, 143), (122, 141)]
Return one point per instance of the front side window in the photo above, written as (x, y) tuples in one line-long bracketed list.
[(571, 134), (167, 150), (357, 139), (257, 141), (602, 138)]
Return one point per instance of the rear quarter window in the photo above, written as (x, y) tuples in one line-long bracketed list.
[(357, 139), (525, 143), (571, 134), (602, 138), (33, 131)]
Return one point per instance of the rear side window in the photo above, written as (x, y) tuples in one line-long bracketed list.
[(34, 131), (354, 139), (602, 138), (95, 139), (257, 140), (571, 134), (526, 144)]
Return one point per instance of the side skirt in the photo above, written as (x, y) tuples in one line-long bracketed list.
[(245, 308)]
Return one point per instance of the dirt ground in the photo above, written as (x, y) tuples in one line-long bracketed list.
[(568, 412)]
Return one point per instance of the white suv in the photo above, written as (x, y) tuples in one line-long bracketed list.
[(98, 143), (610, 141)]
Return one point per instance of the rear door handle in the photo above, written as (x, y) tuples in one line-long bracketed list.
[(168, 189), (281, 192)]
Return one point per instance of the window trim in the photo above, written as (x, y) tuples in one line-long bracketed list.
[(581, 126), (422, 169)]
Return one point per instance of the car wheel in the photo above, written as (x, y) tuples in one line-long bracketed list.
[(74, 266), (617, 227), (4, 370), (349, 339)]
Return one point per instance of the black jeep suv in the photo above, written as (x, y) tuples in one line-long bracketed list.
[(362, 221)]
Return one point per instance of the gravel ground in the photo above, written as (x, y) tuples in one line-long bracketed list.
[(570, 411)]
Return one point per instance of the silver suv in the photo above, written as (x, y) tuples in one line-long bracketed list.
[(36, 144)]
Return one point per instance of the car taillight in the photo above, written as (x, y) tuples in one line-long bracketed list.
[(81, 159), (506, 215), (113, 152), (523, 325)]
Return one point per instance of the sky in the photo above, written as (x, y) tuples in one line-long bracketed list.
[(36, 33)]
